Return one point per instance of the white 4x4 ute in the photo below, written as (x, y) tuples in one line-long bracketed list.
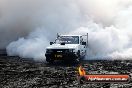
[(66, 47)]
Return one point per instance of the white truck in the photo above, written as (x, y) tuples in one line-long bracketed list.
[(67, 47)]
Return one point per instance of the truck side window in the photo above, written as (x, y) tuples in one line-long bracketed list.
[(81, 40)]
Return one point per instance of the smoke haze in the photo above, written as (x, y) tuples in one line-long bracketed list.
[(27, 26)]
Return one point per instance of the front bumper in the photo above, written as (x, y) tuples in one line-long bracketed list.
[(62, 56)]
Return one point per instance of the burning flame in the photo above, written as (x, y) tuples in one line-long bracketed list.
[(81, 71)]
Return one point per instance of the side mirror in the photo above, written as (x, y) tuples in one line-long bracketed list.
[(83, 43), (51, 43)]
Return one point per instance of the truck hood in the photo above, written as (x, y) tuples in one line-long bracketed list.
[(66, 46)]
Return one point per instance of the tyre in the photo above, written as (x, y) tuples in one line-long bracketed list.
[(77, 60), (79, 57), (49, 60)]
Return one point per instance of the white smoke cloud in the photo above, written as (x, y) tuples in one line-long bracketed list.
[(110, 40), (31, 47), (37, 22)]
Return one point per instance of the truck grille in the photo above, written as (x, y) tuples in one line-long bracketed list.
[(60, 50)]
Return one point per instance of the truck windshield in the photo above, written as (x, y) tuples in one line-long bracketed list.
[(69, 39)]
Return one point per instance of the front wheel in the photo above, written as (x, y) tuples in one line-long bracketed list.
[(49, 60), (78, 57)]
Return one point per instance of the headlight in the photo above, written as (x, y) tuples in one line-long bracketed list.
[(71, 50), (74, 50), (49, 50)]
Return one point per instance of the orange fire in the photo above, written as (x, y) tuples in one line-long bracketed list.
[(81, 71)]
